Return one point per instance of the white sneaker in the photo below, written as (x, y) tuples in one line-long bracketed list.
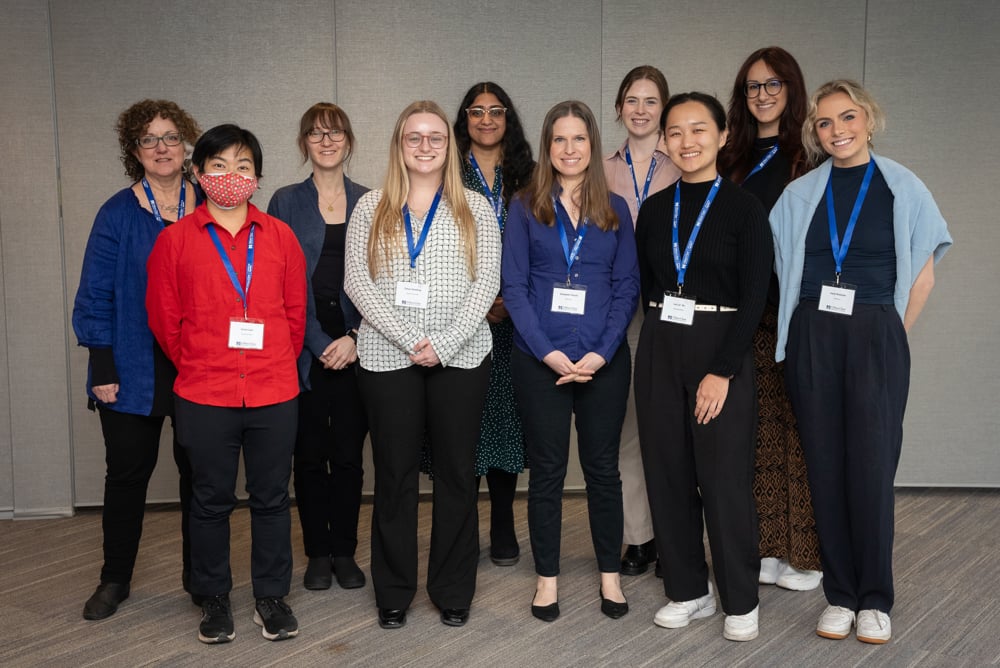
[(677, 614), (874, 627), (741, 627), (835, 622), (770, 569), (796, 580)]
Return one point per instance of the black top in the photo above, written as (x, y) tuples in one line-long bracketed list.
[(730, 264), (870, 264), (769, 182), (328, 278)]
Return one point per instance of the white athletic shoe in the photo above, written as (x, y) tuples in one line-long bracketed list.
[(835, 622), (874, 627), (741, 627), (796, 580), (770, 569), (677, 614)]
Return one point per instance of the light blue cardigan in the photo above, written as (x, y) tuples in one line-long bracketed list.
[(920, 230)]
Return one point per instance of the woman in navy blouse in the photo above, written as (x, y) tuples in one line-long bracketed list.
[(570, 282)]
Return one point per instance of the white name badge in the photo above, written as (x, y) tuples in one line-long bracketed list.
[(412, 295), (834, 298), (246, 334), (569, 298), (677, 309)]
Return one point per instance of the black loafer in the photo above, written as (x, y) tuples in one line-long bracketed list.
[(105, 600), (638, 558), (318, 574), (454, 616), (349, 576), (391, 618), (505, 556), (613, 609)]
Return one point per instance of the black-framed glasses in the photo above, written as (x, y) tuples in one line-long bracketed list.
[(316, 136), (752, 88), (169, 139), (480, 112), (415, 139)]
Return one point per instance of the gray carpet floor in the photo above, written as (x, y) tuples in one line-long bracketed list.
[(947, 566)]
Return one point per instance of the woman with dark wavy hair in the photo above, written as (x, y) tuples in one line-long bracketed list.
[(764, 154), (497, 162), (129, 379)]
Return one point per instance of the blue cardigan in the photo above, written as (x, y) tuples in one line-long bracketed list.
[(919, 228), (110, 307), (297, 206)]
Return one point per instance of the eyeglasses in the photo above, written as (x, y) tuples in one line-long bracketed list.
[(150, 141), (415, 139), (752, 88), (316, 136), (479, 112)]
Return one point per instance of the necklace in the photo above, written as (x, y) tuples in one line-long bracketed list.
[(329, 202)]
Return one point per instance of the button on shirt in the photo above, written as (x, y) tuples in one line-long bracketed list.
[(191, 301), (533, 262)]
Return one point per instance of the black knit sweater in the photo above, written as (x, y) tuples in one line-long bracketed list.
[(730, 264)]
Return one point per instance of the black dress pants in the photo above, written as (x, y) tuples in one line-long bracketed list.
[(214, 437), (446, 403), (131, 448), (328, 461), (695, 471), (848, 378), (546, 411)]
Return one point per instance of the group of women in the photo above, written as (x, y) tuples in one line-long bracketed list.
[(427, 330)]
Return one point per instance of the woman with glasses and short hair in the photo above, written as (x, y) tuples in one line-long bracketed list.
[(129, 379), (423, 267), (764, 153), (332, 425)]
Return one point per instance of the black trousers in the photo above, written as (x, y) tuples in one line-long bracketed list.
[(131, 448), (848, 378), (695, 471), (446, 403), (328, 461), (213, 437), (546, 412)]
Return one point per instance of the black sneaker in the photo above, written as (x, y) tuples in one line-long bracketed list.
[(216, 620), (275, 619)]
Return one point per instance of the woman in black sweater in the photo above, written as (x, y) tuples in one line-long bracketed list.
[(705, 259)]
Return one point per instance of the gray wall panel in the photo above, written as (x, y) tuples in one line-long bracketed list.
[(933, 67), (34, 431)]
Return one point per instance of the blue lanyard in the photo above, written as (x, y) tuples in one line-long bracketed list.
[(229, 265), (495, 197), (414, 250), (681, 264), (639, 199), (762, 163), (840, 249), (561, 223), (156, 209)]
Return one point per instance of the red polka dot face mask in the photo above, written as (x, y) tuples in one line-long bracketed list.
[(228, 190)]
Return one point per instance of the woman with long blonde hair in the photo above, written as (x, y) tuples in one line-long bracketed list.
[(423, 268)]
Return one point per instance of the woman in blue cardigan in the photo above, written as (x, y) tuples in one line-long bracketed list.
[(332, 423), (129, 379), (856, 241)]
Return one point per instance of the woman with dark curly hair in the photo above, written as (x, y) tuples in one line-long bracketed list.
[(497, 163), (764, 154), (129, 379)]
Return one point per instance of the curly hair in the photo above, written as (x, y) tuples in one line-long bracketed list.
[(737, 158), (134, 121), (517, 160)]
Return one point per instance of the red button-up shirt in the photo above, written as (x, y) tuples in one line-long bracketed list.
[(191, 301)]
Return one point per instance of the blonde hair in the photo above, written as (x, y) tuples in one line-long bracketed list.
[(386, 238), (858, 95)]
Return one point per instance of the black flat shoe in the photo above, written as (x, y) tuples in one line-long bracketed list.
[(318, 574), (349, 576), (105, 600), (638, 558), (391, 618), (612, 609), (546, 613), (505, 556), (454, 616)]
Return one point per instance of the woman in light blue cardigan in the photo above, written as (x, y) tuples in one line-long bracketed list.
[(856, 241)]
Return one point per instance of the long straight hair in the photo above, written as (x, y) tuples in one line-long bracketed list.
[(386, 238), (595, 201), (737, 158)]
